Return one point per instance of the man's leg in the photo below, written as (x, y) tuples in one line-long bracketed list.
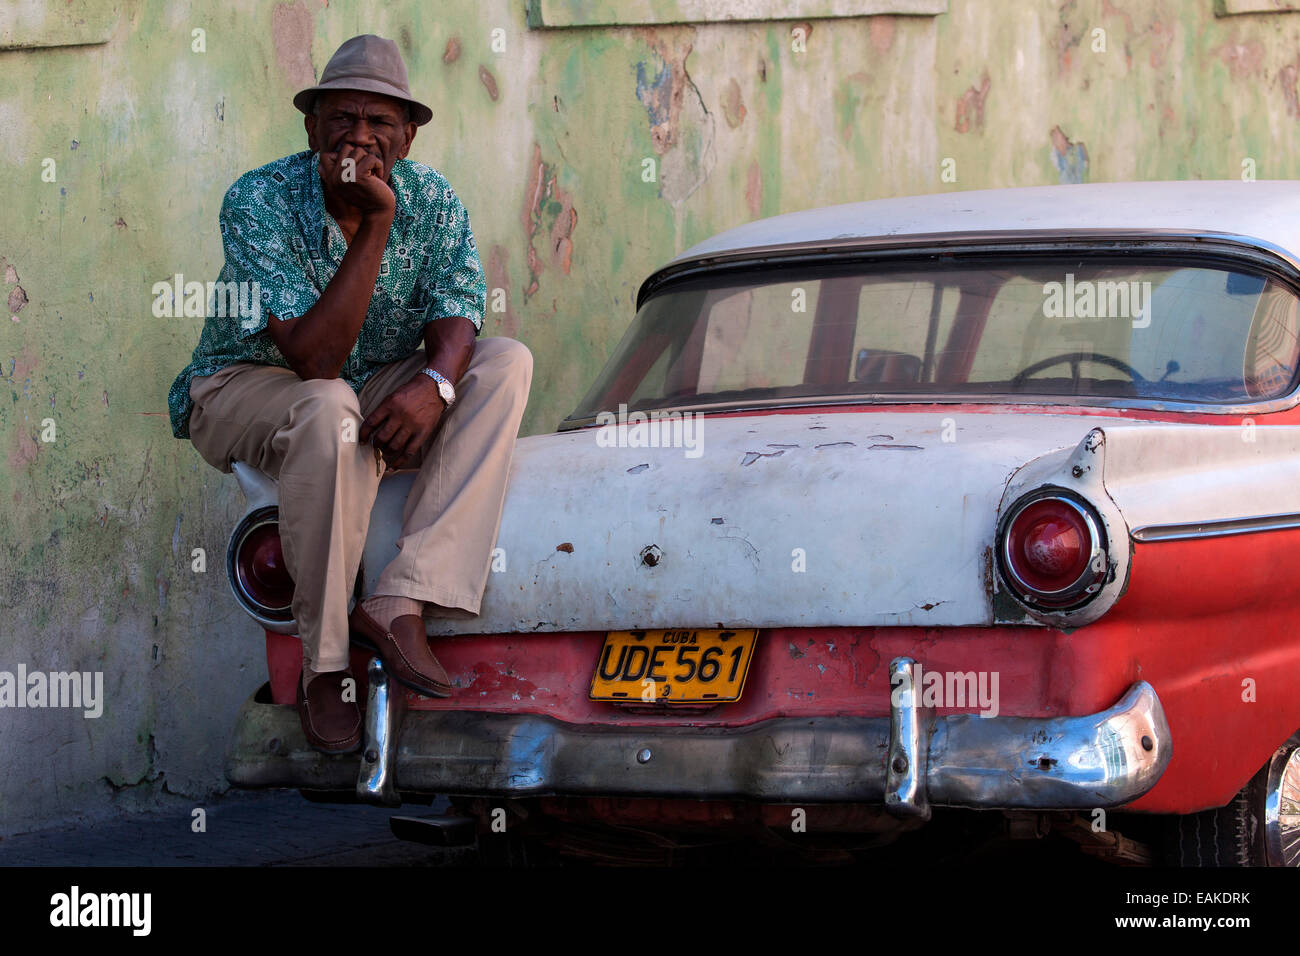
[(453, 512), (304, 434)]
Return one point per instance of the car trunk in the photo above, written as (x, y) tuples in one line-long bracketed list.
[(821, 519)]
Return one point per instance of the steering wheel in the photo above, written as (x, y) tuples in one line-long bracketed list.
[(1074, 358)]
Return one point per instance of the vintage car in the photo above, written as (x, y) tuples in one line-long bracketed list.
[(972, 501)]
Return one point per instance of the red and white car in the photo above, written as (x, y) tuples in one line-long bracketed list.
[(979, 500)]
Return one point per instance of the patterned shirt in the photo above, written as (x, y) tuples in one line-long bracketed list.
[(277, 234)]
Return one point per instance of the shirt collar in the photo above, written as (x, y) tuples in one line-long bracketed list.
[(317, 222)]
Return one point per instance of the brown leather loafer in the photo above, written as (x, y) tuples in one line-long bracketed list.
[(332, 724), (405, 651)]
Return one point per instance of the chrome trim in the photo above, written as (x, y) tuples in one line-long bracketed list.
[(881, 401), (384, 705), (280, 619), (1081, 762), (1094, 573), (1097, 760), (1217, 528), (1231, 245), (905, 768), (1282, 808)]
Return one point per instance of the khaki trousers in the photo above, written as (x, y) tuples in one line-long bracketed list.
[(305, 435)]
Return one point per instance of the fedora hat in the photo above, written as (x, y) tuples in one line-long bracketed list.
[(370, 64)]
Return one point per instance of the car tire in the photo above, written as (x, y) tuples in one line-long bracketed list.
[(1260, 826)]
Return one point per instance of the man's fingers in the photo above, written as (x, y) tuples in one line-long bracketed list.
[(414, 442), (385, 433), (376, 418)]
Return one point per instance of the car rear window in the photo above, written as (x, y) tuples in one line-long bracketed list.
[(1044, 328)]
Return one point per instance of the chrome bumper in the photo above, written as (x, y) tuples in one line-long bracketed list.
[(908, 762)]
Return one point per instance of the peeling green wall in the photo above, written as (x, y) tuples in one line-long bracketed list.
[(546, 141)]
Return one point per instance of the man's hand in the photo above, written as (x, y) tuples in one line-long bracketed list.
[(356, 178), (404, 421)]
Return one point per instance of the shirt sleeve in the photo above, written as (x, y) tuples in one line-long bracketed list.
[(260, 245), (458, 284)]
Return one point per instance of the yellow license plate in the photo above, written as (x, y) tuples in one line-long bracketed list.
[(680, 666)]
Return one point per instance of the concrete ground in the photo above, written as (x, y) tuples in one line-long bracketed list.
[(271, 828), (279, 828)]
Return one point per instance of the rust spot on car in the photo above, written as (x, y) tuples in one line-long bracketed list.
[(566, 547), (795, 653), (836, 444), (486, 677), (452, 53)]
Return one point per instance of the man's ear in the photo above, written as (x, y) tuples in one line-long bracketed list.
[(309, 123), (410, 136)]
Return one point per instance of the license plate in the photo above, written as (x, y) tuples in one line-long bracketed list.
[(679, 666)]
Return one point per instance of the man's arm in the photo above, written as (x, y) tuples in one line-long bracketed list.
[(449, 345), (404, 421), (317, 343)]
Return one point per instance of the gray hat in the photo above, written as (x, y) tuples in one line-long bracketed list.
[(370, 64)]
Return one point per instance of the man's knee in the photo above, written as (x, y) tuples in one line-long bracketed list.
[(328, 409), (510, 357)]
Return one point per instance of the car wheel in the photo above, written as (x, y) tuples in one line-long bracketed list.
[(1259, 827)]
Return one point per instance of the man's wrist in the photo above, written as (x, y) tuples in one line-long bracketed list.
[(446, 391), (379, 217)]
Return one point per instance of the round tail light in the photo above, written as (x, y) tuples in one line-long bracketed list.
[(256, 567), (1052, 551)]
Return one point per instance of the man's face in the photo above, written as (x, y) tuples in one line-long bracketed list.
[(368, 121)]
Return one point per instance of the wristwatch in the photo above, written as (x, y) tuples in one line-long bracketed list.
[(444, 387)]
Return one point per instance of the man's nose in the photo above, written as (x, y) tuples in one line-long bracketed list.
[(361, 134)]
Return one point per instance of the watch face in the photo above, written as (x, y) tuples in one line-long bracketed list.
[(446, 391)]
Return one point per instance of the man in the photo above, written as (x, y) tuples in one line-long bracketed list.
[(359, 255)]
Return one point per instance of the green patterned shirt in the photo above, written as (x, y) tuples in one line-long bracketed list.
[(277, 234)]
